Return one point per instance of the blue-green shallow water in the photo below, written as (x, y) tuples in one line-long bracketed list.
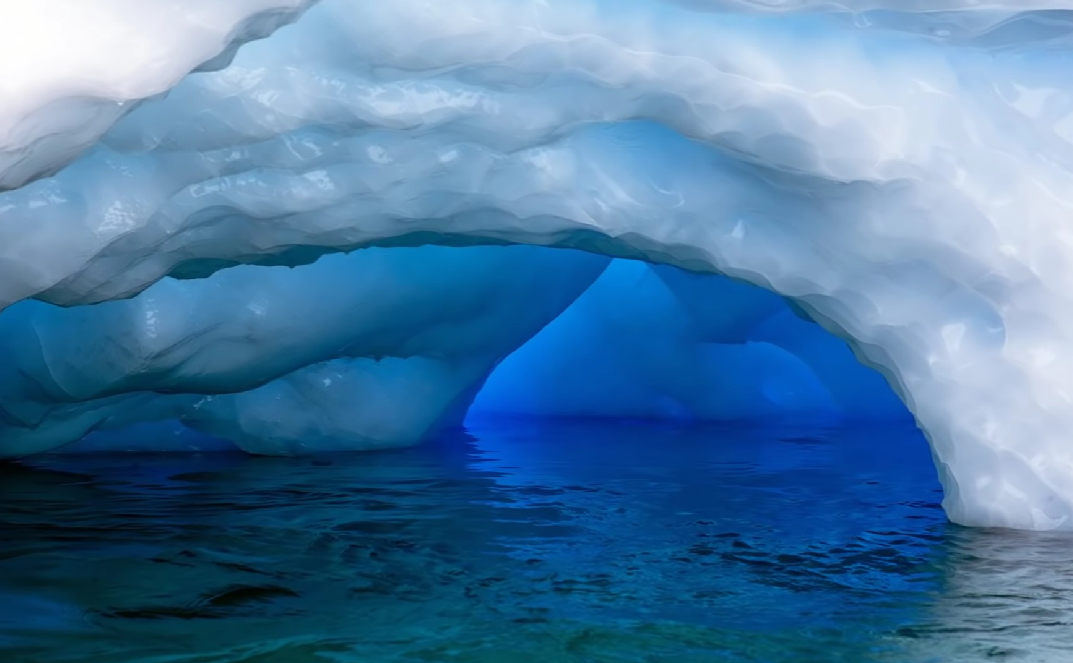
[(523, 543)]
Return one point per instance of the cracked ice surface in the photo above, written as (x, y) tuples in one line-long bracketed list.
[(900, 169)]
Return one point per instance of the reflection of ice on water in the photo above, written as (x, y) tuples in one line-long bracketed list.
[(616, 544), (1005, 595)]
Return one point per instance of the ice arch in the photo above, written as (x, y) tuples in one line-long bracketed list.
[(902, 172)]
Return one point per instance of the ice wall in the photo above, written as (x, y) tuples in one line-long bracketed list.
[(650, 342), (900, 169), (368, 350)]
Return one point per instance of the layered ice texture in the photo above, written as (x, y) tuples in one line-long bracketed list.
[(290, 225)]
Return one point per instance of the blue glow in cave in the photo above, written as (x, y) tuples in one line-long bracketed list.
[(647, 342)]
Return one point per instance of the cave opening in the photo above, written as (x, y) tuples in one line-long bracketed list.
[(671, 463), (612, 340), (578, 361)]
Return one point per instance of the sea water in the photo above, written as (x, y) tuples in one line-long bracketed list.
[(523, 542)]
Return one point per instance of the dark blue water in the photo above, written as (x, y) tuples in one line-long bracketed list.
[(523, 543)]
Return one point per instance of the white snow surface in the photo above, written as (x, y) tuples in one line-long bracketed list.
[(902, 170), (70, 68)]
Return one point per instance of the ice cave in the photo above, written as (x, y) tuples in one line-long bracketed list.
[(341, 234)]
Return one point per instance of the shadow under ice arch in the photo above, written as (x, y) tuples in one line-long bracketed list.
[(909, 194)]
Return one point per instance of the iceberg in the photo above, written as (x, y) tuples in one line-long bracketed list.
[(897, 173)]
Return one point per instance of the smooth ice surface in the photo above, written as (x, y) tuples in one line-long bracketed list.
[(900, 169), (659, 343)]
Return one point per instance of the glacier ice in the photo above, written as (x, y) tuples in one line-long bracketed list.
[(371, 349), (899, 170)]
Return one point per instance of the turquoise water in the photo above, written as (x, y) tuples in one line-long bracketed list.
[(523, 542)]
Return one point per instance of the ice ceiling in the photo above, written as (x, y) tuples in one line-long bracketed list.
[(182, 246)]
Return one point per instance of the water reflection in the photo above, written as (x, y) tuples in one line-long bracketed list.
[(522, 542)]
